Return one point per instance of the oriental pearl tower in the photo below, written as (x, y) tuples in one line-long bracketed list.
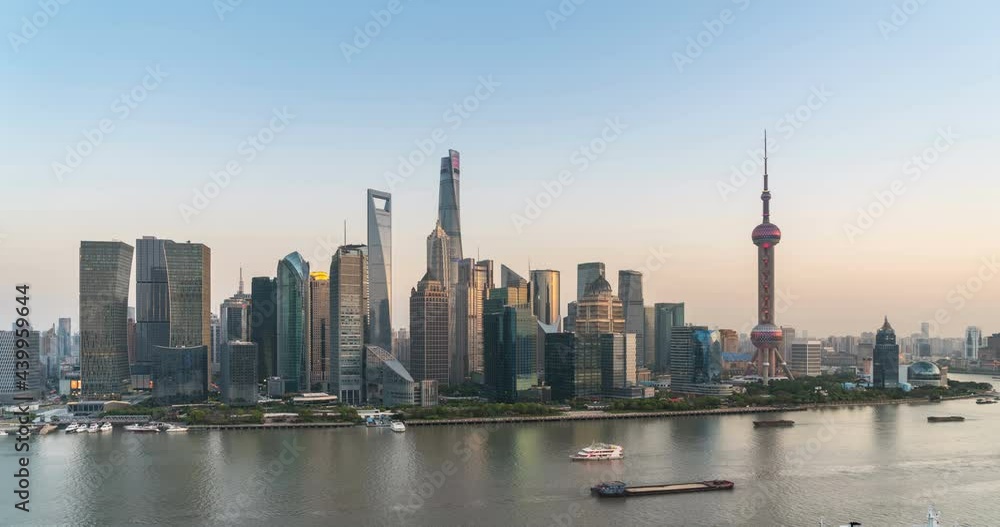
[(766, 336)]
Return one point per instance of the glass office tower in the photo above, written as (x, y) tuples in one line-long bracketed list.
[(885, 371), (379, 272), (348, 322), (105, 269), (293, 323), (319, 330)]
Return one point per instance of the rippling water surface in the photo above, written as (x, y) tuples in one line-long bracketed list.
[(878, 465)]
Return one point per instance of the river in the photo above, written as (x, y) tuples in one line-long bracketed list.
[(880, 465)]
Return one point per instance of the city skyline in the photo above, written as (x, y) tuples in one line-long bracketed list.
[(667, 143)]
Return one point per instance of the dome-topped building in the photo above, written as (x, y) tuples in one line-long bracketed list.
[(598, 287), (924, 373)]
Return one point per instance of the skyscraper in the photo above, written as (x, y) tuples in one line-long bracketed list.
[(668, 316), (64, 336), (11, 384), (234, 319), (599, 312), (885, 373), (617, 361), (319, 330), (448, 211), (438, 255), (429, 331), (264, 324), (475, 280), (379, 271), (105, 269), (545, 289), (766, 336), (189, 285), (585, 274), (630, 292), (510, 340), (973, 341), (349, 310), (152, 299), (293, 322), (696, 362), (238, 381), (649, 337)]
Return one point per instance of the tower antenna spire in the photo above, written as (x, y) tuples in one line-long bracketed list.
[(241, 280), (765, 196)]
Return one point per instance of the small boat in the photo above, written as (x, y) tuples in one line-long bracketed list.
[(73, 427), (599, 452), (176, 428), (106, 427), (3, 433), (397, 426), (986, 401), (142, 428), (618, 489), (776, 423), (945, 419), (94, 427)]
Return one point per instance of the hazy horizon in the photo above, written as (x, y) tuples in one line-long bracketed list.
[(849, 92)]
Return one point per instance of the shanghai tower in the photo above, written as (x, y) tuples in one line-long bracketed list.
[(448, 211), (766, 336)]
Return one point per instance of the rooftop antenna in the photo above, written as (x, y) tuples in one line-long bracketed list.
[(345, 231), (241, 280)]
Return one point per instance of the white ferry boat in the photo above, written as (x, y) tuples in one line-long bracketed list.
[(397, 426), (599, 452)]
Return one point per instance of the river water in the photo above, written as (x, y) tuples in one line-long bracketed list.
[(879, 465)]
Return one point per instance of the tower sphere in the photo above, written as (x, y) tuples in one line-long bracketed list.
[(766, 336), (766, 232)]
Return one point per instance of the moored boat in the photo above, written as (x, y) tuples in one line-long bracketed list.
[(986, 401), (94, 427), (397, 426), (774, 423), (599, 452), (176, 428), (72, 428), (142, 428), (106, 427), (3, 433)]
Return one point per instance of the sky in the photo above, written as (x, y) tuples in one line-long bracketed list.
[(622, 132)]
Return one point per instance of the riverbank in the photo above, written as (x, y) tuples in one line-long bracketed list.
[(593, 415)]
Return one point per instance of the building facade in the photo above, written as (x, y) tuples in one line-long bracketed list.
[(805, 357), (545, 292), (630, 293), (667, 317), (429, 331), (239, 379), (449, 215), (510, 336), (349, 310), (180, 375), (696, 362), (293, 323), (475, 280), (152, 299), (618, 369), (973, 341), (264, 324), (585, 274), (885, 363), (105, 270), (319, 331), (15, 386), (189, 285)]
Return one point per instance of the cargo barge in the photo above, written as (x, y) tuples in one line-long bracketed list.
[(769, 424), (945, 419), (618, 489)]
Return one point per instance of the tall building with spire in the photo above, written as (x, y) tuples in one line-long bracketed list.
[(379, 272), (766, 336), (885, 363), (438, 255), (448, 210)]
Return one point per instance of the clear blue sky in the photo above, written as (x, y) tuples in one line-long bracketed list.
[(655, 186)]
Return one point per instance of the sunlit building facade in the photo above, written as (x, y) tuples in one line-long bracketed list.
[(349, 311), (293, 323), (105, 269)]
